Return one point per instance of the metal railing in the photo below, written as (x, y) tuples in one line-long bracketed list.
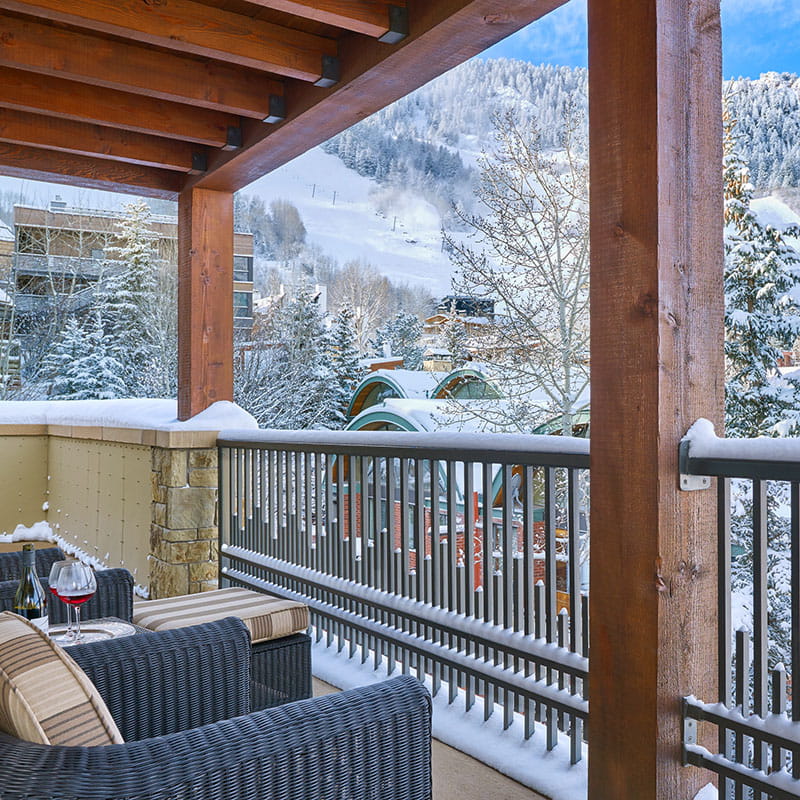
[(755, 720), (455, 558)]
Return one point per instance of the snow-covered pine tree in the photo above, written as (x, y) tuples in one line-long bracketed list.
[(346, 370), (129, 296), (286, 379), (455, 339), (86, 370), (762, 315), (762, 318), (402, 334)]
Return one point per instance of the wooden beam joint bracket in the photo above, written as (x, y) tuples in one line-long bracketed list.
[(277, 109), (398, 25), (331, 72), (199, 163), (233, 138)]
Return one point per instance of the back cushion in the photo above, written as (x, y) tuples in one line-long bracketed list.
[(45, 697)]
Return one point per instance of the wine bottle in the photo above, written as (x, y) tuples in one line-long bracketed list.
[(30, 601)]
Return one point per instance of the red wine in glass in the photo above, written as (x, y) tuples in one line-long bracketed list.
[(76, 599)]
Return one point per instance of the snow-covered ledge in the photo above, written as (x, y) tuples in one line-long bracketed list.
[(146, 421), (704, 443), (120, 480)]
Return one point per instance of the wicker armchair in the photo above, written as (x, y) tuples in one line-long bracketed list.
[(372, 742), (114, 596)]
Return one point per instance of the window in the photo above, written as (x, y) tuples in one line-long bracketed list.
[(243, 268)]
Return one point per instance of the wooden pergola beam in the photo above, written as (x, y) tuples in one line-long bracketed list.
[(191, 27), (113, 64), (205, 300), (27, 91), (370, 17), (442, 34), (655, 84), (30, 163), (81, 138)]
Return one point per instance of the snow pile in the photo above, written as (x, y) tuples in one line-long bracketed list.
[(527, 762), (704, 443), (708, 792), (38, 532), (152, 414)]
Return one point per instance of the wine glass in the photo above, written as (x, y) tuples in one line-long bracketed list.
[(52, 582), (76, 584)]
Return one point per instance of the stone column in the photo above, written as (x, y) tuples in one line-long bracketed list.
[(183, 533)]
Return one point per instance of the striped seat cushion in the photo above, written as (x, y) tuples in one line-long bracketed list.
[(266, 617), (45, 697)]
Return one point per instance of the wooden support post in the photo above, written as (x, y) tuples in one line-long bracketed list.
[(657, 307), (205, 299)]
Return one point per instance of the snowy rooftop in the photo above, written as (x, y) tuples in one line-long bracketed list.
[(152, 414), (414, 383)]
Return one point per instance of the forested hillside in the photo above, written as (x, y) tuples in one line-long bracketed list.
[(430, 138)]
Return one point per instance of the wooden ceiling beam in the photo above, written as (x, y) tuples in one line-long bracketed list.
[(376, 18), (82, 138), (29, 163), (192, 27), (61, 52), (442, 34), (42, 94)]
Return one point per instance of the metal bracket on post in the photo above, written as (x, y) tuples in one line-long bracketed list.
[(689, 482), (689, 735)]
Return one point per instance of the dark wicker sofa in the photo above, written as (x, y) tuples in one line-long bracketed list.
[(181, 700)]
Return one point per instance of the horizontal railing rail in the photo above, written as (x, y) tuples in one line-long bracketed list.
[(458, 558), (756, 721)]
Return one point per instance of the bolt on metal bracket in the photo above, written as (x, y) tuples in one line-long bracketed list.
[(688, 482)]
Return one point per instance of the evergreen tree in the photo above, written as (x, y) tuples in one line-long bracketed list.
[(128, 299), (402, 334), (346, 370), (87, 371), (456, 340), (286, 380), (762, 317)]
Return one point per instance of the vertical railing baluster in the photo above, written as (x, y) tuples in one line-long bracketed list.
[(794, 534), (469, 569), (724, 630), (487, 551), (508, 549), (420, 540), (438, 591), (760, 631), (550, 586), (742, 693), (528, 607), (452, 559), (778, 707), (539, 603)]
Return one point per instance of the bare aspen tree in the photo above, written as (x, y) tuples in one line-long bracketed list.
[(529, 252)]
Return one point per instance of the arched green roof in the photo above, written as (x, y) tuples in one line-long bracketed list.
[(379, 386), (381, 419), (453, 384), (580, 420)]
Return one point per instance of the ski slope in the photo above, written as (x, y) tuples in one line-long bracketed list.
[(395, 230)]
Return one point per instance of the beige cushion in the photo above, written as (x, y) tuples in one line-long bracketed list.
[(266, 617), (45, 697)]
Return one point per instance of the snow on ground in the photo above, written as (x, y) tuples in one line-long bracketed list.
[(148, 413), (525, 761), (358, 223)]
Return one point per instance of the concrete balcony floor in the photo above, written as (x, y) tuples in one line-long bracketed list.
[(457, 776)]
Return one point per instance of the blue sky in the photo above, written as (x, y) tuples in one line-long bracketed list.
[(757, 36)]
